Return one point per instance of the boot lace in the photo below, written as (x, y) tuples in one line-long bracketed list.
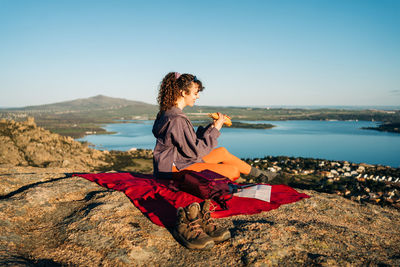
[(207, 220), (212, 207), (195, 228)]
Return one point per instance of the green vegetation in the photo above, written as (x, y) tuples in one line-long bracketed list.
[(236, 124), (140, 161), (277, 114), (76, 118), (386, 127)]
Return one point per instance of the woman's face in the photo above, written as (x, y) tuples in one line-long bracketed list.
[(191, 97)]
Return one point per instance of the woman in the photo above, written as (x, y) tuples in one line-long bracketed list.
[(179, 147)]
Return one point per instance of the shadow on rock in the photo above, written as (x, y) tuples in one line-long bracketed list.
[(26, 187), (16, 260)]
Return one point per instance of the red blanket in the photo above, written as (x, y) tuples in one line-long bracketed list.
[(158, 202)]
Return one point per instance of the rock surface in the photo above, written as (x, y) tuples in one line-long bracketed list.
[(25, 144), (49, 218)]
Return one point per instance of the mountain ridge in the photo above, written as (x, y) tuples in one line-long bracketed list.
[(94, 102)]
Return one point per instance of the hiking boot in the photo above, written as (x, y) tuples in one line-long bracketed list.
[(218, 234), (188, 229)]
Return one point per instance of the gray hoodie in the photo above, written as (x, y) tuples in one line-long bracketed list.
[(178, 144)]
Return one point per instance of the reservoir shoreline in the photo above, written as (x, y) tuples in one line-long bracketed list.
[(331, 140)]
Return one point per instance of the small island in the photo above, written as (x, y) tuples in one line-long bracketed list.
[(386, 127), (237, 124)]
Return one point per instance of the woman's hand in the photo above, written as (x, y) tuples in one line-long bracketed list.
[(220, 121)]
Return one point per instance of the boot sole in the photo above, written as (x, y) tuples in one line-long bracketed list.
[(222, 238), (209, 244)]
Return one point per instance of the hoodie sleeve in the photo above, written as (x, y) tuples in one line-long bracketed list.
[(192, 145)]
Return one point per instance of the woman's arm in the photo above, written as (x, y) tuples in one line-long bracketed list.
[(189, 144)]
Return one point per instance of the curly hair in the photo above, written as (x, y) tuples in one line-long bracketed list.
[(171, 87)]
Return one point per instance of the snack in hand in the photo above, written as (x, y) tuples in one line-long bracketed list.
[(215, 116)]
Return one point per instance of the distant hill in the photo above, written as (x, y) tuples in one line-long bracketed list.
[(78, 117), (104, 109), (99, 102)]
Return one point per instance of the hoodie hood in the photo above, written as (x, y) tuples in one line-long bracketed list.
[(163, 118)]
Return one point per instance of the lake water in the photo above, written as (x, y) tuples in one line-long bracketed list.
[(333, 140)]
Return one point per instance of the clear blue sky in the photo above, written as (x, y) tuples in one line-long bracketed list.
[(246, 52)]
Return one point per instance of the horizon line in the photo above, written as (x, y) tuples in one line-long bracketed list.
[(288, 106)]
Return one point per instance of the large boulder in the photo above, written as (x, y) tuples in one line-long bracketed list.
[(26, 144), (9, 153)]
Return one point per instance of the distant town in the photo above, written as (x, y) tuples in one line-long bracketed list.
[(359, 182)]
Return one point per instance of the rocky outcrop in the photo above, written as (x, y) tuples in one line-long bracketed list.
[(48, 218), (25, 144)]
